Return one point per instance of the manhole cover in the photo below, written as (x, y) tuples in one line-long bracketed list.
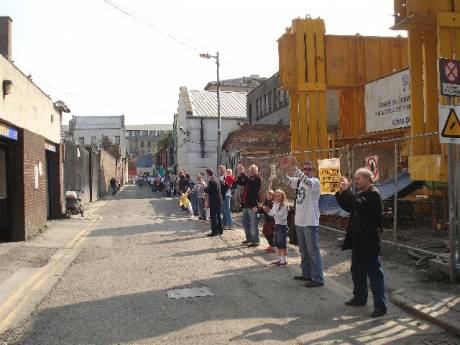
[(189, 293)]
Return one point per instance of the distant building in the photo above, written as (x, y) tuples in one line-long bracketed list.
[(90, 130), (268, 103), (165, 157), (31, 169), (196, 126), (144, 139), (243, 84)]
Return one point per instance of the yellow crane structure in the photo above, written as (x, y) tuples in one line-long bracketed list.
[(311, 62), (434, 32)]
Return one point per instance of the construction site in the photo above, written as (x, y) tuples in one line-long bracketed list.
[(392, 93)]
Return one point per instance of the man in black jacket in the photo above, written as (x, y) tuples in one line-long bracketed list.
[(215, 203), (250, 202), (362, 237)]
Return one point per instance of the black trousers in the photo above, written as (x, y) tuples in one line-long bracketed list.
[(216, 219), (270, 239)]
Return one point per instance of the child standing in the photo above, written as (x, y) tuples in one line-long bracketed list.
[(279, 211), (269, 222), (229, 181)]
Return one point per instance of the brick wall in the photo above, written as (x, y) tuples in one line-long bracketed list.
[(35, 202), (108, 166), (257, 144)]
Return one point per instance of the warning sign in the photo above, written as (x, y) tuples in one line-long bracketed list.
[(449, 125), (449, 73), (329, 175), (372, 165)]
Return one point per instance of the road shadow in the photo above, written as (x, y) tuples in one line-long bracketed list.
[(141, 316)]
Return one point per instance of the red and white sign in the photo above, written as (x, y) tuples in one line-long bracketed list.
[(451, 71), (372, 165), (449, 75)]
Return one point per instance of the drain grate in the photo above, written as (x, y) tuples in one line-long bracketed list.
[(202, 291)]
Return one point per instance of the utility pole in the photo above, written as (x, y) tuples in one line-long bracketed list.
[(219, 119)]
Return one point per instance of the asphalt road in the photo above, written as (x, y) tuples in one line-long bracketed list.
[(115, 291)]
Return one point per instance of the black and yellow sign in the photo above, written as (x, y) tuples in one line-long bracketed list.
[(329, 175), (449, 125)]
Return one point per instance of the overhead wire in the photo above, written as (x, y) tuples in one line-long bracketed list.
[(92, 100), (150, 24), (156, 27)]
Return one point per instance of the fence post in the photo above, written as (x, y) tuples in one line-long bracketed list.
[(395, 197), (457, 182), (352, 167), (452, 212), (349, 160)]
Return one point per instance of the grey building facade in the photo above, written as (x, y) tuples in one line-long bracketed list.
[(144, 139), (268, 104)]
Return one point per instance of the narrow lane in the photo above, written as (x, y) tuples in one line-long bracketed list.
[(115, 292)]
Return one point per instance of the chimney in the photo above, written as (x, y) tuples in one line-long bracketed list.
[(5, 37)]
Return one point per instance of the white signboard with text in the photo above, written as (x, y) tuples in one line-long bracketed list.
[(387, 103)]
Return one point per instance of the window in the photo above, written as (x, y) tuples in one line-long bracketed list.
[(93, 140), (149, 144), (142, 144), (276, 96), (81, 141), (117, 140), (270, 102)]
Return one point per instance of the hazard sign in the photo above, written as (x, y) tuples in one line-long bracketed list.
[(449, 74), (449, 125)]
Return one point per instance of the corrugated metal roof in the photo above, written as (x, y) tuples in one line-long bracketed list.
[(204, 104), (150, 127)]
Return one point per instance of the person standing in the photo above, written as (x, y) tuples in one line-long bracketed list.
[(269, 222), (215, 203), (113, 185), (227, 192), (199, 189), (182, 182), (362, 237), (221, 169), (279, 212), (252, 184), (307, 215)]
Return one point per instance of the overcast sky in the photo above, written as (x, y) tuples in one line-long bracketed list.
[(103, 62)]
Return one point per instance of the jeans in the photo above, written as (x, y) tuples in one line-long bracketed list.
[(249, 221), (311, 261), (226, 212), (201, 210), (194, 201), (368, 266), (216, 220)]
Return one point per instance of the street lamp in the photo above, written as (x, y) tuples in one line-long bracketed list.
[(219, 120)]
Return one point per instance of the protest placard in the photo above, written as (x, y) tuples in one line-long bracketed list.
[(329, 175)]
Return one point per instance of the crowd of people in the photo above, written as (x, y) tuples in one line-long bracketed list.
[(209, 198)]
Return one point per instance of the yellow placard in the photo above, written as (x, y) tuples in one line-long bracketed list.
[(329, 175)]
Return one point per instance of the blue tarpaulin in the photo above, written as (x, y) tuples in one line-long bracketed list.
[(144, 161), (328, 204)]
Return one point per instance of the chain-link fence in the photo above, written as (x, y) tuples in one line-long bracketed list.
[(415, 205), (415, 211)]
